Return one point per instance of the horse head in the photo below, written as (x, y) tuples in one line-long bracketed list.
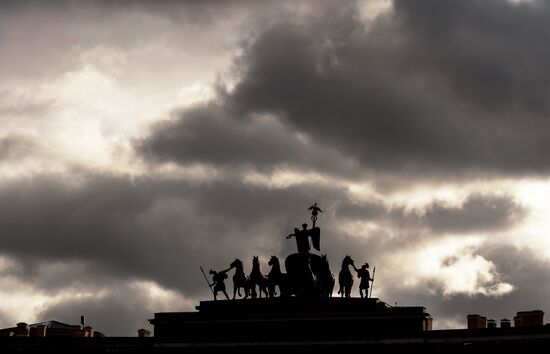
[(347, 261), (237, 263), (255, 263)]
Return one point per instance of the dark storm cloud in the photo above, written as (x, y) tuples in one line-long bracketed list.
[(442, 87), (478, 213), (491, 53), (206, 134)]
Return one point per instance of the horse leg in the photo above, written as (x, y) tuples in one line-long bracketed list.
[(270, 283), (266, 287), (271, 288)]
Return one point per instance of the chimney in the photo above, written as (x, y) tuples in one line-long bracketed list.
[(88, 331), (82, 322), (22, 330), (476, 321), (529, 318), (143, 333), (40, 331), (505, 323)]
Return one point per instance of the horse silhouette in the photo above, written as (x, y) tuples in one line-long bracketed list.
[(325, 278), (276, 277), (257, 278), (240, 280), (345, 278)]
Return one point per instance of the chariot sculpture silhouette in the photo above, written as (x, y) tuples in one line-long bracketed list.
[(307, 274), (304, 268)]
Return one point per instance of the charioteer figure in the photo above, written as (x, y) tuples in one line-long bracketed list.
[(302, 239)]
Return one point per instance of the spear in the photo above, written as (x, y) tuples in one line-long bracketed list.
[(372, 284), (207, 282)]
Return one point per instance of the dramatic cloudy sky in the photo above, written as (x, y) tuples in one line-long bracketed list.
[(141, 140)]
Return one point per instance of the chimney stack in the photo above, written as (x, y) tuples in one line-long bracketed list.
[(88, 331), (41, 331), (476, 321), (529, 318), (22, 330), (505, 323)]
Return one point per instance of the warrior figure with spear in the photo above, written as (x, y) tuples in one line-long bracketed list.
[(218, 279), (364, 275)]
